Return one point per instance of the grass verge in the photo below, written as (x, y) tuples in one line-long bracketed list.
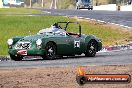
[(8, 11), (11, 26)]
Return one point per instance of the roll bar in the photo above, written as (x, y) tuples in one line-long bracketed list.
[(65, 28)]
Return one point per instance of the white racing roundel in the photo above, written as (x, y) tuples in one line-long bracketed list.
[(76, 43)]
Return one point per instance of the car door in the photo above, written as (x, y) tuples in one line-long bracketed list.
[(65, 45), (79, 45), (71, 45)]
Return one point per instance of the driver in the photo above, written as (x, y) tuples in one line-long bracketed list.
[(55, 25)]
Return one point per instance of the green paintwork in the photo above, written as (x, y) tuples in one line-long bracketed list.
[(64, 43)]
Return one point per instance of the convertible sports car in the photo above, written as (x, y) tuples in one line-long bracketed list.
[(54, 42)]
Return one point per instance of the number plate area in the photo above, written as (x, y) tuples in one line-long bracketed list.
[(23, 45), (22, 52)]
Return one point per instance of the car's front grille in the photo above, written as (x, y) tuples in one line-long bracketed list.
[(23, 45)]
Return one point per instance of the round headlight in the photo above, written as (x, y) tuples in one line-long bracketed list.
[(39, 42), (10, 41)]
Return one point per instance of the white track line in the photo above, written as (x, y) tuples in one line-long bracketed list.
[(101, 21), (47, 12)]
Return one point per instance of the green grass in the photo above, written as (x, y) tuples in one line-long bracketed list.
[(11, 26), (8, 11)]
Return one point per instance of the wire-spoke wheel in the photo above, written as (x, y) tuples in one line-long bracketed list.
[(91, 49), (50, 51)]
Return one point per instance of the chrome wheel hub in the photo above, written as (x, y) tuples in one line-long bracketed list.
[(92, 47), (50, 50)]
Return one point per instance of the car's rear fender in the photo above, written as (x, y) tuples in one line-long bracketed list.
[(94, 38)]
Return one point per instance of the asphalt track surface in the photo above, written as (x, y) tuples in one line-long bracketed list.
[(123, 18), (108, 58)]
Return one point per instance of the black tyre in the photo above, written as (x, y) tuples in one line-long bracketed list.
[(91, 49), (16, 58), (50, 51)]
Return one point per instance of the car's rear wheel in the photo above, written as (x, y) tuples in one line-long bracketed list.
[(91, 49), (16, 58), (50, 51)]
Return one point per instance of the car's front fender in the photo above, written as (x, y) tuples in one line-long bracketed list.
[(16, 39)]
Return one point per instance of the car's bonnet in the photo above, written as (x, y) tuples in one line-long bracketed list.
[(33, 38)]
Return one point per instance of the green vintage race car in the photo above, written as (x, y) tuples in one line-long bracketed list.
[(54, 42)]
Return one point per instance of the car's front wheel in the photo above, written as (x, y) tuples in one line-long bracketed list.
[(91, 49), (16, 58), (50, 51)]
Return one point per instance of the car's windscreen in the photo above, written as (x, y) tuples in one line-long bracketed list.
[(71, 27), (52, 31)]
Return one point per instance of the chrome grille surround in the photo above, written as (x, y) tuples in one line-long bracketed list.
[(23, 45)]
